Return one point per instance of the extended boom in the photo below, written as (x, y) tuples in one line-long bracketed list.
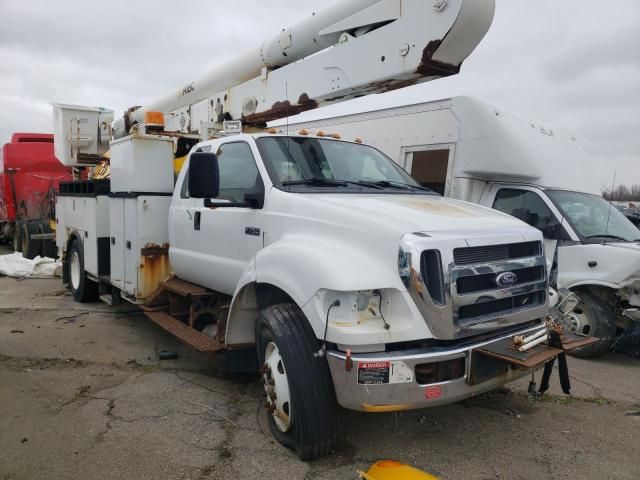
[(355, 48)]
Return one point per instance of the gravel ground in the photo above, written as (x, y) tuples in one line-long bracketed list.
[(83, 396)]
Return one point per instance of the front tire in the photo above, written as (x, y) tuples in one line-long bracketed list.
[(592, 316), (300, 395), (82, 287)]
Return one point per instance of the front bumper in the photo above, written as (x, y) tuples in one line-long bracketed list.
[(390, 382)]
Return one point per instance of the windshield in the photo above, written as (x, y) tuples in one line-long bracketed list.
[(593, 217), (304, 164)]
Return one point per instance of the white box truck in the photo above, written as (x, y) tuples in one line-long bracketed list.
[(466, 149)]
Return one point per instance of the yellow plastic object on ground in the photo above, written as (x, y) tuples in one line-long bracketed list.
[(392, 470)]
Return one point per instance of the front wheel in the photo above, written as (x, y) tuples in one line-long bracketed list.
[(300, 396), (592, 316)]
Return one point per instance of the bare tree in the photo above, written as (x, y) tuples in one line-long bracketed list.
[(622, 193)]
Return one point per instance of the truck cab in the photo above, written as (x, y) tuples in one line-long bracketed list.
[(29, 175), (596, 250), (540, 175), (301, 213)]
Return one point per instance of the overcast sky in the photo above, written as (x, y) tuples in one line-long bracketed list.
[(574, 64)]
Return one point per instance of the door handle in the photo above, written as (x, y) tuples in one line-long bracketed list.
[(196, 221)]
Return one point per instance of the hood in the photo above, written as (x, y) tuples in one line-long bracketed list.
[(407, 213)]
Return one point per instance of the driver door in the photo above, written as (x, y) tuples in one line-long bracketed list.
[(225, 239)]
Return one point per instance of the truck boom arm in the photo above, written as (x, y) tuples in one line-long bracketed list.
[(355, 48)]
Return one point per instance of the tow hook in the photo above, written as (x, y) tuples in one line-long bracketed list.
[(348, 362)]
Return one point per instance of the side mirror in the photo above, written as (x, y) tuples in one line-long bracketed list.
[(550, 230), (204, 175), (555, 231)]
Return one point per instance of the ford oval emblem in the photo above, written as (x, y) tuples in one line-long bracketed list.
[(506, 279)]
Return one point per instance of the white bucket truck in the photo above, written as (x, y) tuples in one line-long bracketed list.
[(469, 150), (317, 260)]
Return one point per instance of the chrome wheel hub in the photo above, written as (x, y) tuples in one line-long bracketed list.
[(579, 322), (276, 387), (74, 270)]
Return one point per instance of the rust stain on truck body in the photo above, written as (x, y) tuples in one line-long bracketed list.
[(154, 268)]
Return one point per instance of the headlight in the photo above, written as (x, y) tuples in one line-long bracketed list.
[(355, 307), (367, 310)]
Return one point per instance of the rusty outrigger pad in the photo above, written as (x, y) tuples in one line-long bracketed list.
[(505, 350), (184, 333), (180, 287), (571, 341)]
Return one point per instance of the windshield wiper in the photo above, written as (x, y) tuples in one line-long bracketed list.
[(316, 182), (328, 182), (614, 237), (398, 185)]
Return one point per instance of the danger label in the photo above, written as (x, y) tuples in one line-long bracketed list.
[(373, 373), (381, 373)]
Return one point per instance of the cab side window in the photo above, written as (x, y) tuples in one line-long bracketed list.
[(528, 207), (238, 171)]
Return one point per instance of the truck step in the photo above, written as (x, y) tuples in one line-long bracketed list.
[(185, 333), (185, 289)]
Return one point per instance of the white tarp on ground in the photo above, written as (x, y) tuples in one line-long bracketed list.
[(16, 266)]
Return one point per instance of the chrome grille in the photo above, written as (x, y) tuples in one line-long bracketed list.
[(487, 281), (476, 293), (455, 287), (492, 253), (504, 305), (431, 272)]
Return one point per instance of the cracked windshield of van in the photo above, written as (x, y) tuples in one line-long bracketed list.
[(593, 218), (321, 165)]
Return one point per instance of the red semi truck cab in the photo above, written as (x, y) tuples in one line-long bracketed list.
[(29, 176)]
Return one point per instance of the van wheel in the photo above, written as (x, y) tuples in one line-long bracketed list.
[(82, 287), (30, 247), (593, 317), (16, 237), (300, 396)]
